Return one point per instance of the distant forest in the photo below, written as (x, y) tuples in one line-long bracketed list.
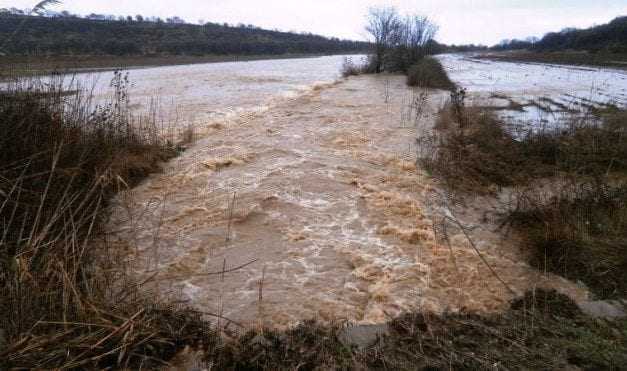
[(67, 34), (608, 38)]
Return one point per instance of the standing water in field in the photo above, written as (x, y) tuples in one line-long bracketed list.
[(534, 94)]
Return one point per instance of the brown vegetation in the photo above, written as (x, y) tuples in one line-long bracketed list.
[(350, 68), (399, 42), (543, 330), (568, 186), (66, 300)]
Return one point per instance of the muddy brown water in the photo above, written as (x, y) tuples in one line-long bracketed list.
[(319, 199)]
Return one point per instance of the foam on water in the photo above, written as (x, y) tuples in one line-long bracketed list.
[(329, 209)]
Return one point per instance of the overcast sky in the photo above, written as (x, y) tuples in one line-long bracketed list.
[(460, 21)]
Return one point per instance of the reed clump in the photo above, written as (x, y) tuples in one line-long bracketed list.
[(66, 302), (567, 186)]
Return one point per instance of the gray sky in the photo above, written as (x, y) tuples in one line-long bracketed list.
[(460, 21)]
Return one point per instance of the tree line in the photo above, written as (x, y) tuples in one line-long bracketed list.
[(106, 35), (611, 37)]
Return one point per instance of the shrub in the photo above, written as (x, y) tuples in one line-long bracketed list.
[(350, 68), (471, 151), (429, 73)]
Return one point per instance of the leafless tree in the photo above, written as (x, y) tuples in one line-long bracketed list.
[(419, 32), (383, 24), (412, 41), (399, 41)]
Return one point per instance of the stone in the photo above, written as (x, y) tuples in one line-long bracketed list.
[(604, 309), (363, 336)]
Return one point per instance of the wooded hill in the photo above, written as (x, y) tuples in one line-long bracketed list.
[(79, 36), (609, 38)]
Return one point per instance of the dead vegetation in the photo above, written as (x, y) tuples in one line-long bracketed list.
[(66, 300), (542, 330), (567, 185)]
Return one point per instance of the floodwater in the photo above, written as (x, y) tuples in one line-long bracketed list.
[(199, 93), (536, 94), (300, 199)]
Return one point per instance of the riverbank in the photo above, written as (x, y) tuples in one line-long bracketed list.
[(15, 66), (572, 58)]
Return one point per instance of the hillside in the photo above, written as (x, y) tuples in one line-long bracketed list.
[(604, 46), (611, 37), (79, 36), (607, 38)]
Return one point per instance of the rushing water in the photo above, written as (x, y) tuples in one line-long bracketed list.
[(198, 93), (307, 195)]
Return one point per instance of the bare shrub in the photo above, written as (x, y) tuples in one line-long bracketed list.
[(399, 42), (383, 25)]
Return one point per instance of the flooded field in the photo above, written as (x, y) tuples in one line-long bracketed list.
[(537, 94), (304, 202)]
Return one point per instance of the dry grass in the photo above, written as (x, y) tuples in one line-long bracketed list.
[(67, 301), (579, 233), (543, 330), (568, 186)]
